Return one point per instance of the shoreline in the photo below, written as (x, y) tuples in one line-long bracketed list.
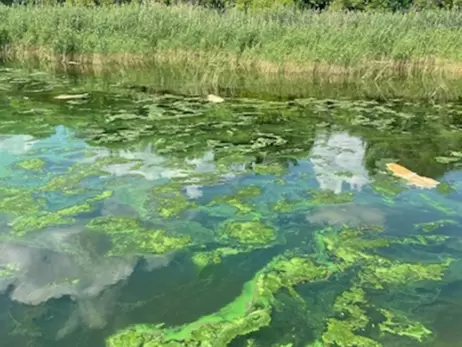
[(201, 78), (223, 61)]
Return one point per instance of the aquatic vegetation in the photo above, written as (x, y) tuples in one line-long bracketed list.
[(376, 272), (203, 259), (189, 193), (387, 186), (248, 232), (8, 271), (283, 206), (383, 273), (397, 323), (18, 201), (128, 236), (242, 316), (71, 181), (432, 226), (349, 245), (240, 206), (40, 220), (33, 164), (339, 333), (437, 205), (247, 313), (453, 157), (327, 197), (238, 200), (349, 303), (170, 201), (276, 169)]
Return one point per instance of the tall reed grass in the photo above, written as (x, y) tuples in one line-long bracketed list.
[(268, 40)]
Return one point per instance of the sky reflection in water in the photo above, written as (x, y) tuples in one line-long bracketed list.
[(96, 238)]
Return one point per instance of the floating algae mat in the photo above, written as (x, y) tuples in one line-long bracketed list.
[(130, 219)]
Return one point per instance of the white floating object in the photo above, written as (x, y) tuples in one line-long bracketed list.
[(71, 96), (214, 98)]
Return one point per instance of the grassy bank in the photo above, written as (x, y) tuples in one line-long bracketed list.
[(193, 80), (368, 45)]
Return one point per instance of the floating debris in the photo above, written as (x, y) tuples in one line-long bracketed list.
[(72, 96), (214, 98), (411, 177)]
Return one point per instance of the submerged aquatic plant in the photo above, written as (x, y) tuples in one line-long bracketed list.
[(171, 192), (170, 201), (249, 232), (203, 259), (239, 200), (398, 323), (247, 313), (33, 164), (328, 197), (128, 236)]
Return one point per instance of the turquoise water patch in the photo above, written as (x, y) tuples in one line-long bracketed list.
[(133, 219)]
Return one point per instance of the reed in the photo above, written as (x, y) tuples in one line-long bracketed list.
[(361, 44)]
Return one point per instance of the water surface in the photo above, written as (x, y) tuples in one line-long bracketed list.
[(133, 218)]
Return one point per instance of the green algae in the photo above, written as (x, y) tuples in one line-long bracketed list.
[(337, 251), (128, 236), (276, 169), (8, 270), (241, 313), (328, 197), (344, 332), (72, 179), (397, 323), (297, 270), (374, 272), (237, 204), (283, 206), (387, 186), (101, 196), (41, 220), (237, 200), (217, 330), (349, 303), (170, 201), (33, 164), (248, 313), (383, 272), (17, 201), (248, 192), (203, 259), (432, 226), (249, 232), (173, 206), (339, 333), (349, 245), (436, 205), (445, 188), (423, 240)]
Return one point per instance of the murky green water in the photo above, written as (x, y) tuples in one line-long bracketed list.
[(133, 219)]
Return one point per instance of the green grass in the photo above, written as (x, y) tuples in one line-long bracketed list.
[(266, 40)]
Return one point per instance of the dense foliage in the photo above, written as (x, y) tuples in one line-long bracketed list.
[(361, 5), (268, 40)]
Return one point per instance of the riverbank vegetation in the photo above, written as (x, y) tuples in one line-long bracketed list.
[(289, 40)]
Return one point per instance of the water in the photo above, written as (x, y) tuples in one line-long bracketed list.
[(247, 223)]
